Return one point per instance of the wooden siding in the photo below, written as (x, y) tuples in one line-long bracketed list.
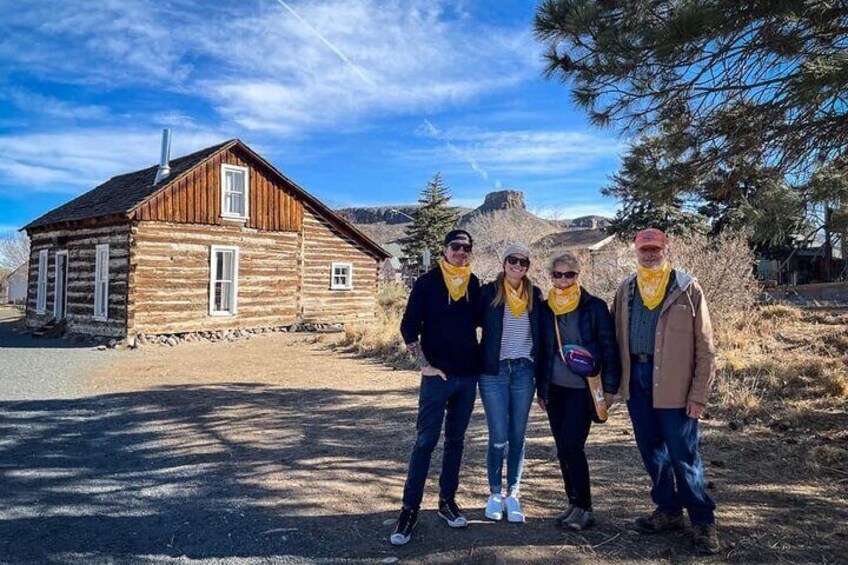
[(196, 197), (170, 269), (80, 243), (322, 245)]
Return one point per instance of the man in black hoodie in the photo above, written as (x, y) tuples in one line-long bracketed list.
[(439, 329)]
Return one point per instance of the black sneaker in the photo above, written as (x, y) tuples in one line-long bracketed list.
[(405, 523), (452, 513)]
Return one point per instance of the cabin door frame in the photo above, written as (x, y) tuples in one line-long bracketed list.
[(60, 281)]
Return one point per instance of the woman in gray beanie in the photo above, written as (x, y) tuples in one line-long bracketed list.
[(509, 313)]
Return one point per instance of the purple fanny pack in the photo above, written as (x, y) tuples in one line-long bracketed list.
[(580, 361)]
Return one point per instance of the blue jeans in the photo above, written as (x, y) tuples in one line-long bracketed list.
[(668, 442), (506, 398), (451, 402)]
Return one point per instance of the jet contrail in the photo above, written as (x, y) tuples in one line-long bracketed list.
[(329, 45)]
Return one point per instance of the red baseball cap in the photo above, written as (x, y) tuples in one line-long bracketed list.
[(651, 237)]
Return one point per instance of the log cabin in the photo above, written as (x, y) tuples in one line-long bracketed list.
[(215, 240)]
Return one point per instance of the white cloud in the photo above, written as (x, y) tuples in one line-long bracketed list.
[(53, 107), (64, 163), (264, 69), (519, 153)]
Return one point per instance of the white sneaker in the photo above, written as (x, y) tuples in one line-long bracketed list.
[(495, 507), (513, 510)]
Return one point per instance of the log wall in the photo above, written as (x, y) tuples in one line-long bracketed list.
[(322, 245), (170, 270), (80, 243), (196, 197)]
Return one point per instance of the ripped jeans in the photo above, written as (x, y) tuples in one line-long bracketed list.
[(507, 398)]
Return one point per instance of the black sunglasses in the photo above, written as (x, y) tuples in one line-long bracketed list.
[(565, 275), (457, 246), (518, 261)]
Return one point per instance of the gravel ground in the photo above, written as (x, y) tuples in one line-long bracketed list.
[(43, 368)]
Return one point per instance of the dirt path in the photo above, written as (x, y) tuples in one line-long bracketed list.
[(278, 450)]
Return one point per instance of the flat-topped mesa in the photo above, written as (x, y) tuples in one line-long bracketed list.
[(503, 200)]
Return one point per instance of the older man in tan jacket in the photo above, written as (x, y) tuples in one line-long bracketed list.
[(668, 364)]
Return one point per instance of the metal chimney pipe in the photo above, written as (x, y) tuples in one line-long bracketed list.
[(164, 169)]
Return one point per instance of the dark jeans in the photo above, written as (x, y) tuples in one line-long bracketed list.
[(668, 442), (570, 416), (451, 402)]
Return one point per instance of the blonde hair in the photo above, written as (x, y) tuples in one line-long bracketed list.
[(568, 258), (500, 295)]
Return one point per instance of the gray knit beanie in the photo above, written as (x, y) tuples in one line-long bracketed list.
[(515, 249)]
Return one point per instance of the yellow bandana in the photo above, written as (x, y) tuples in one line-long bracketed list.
[(652, 284), (516, 298), (456, 279), (565, 300)]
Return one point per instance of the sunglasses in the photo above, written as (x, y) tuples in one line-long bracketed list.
[(518, 261), (457, 246), (565, 275)]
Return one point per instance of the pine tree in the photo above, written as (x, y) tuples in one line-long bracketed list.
[(761, 79), (647, 191), (434, 219)]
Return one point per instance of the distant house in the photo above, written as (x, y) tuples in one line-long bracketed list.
[(581, 241), (16, 285), (218, 239)]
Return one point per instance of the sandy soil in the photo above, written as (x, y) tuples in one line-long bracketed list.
[(281, 448)]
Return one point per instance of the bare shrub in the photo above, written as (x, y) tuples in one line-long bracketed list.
[(381, 338), (493, 232), (392, 297), (723, 266), (14, 249)]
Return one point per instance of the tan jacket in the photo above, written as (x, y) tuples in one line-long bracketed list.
[(684, 353)]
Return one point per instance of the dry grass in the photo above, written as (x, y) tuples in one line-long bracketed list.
[(381, 339), (779, 357)]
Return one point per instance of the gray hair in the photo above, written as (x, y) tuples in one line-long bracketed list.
[(568, 258)]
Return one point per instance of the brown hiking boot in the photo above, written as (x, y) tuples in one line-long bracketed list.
[(705, 539), (659, 521)]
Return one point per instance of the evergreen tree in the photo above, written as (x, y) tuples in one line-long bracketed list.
[(434, 219), (762, 79), (647, 190)]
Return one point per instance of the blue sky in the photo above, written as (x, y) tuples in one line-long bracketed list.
[(359, 101)]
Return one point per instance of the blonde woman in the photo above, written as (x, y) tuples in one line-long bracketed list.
[(573, 317), (508, 312)]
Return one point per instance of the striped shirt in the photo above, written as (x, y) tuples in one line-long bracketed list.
[(517, 339)]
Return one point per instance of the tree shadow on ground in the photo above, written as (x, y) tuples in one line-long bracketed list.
[(258, 472)]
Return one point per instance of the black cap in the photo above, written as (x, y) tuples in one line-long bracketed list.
[(458, 234)]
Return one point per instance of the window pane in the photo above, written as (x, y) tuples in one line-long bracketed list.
[(224, 267), (237, 206), (238, 182), (222, 296)]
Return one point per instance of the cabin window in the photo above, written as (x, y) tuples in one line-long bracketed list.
[(101, 282), (41, 289), (223, 284), (234, 192), (341, 276)]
